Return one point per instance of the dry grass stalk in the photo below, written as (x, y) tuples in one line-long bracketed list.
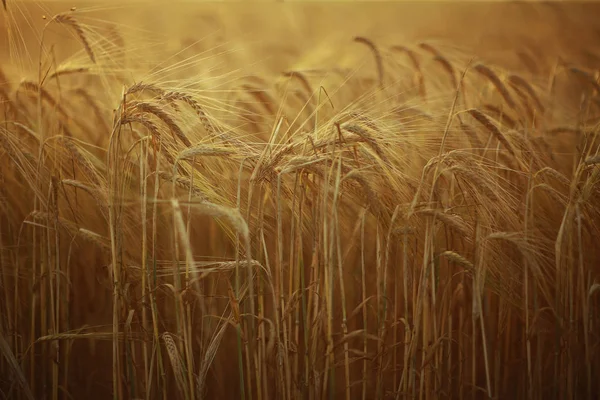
[(8, 354)]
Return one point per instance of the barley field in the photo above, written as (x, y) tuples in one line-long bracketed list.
[(299, 200)]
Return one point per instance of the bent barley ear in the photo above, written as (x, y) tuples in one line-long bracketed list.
[(500, 87), (376, 54), (492, 128), (70, 21)]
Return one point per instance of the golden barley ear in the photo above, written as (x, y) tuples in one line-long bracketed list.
[(417, 66), (493, 129), (148, 108), (458, 259), (447, 66), (68, 71), (521, 86), (70, 21), (176, 362), (376, 53), (495, 80), (301, 78)]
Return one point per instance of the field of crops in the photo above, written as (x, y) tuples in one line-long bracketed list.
[(299, 200)]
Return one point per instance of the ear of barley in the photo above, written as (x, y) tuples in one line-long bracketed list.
[(364, 134), (34, 89), (81, 160), (415, 61), (142, 86), (209, 357), (521, 84), (183, 182), (493, 129), (204, 151), (491, 75), (376, 54), (70, 21), (67, 71), (302, 78), (447, 67), (152, 109), (174, 95), (370, 193), (176, 362), (430, 49), (502, 116), (96, 238), (454, 221), (411, 55), (480, 185), (471, 135)]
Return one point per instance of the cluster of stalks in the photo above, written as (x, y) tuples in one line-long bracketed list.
[(424, 225)]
